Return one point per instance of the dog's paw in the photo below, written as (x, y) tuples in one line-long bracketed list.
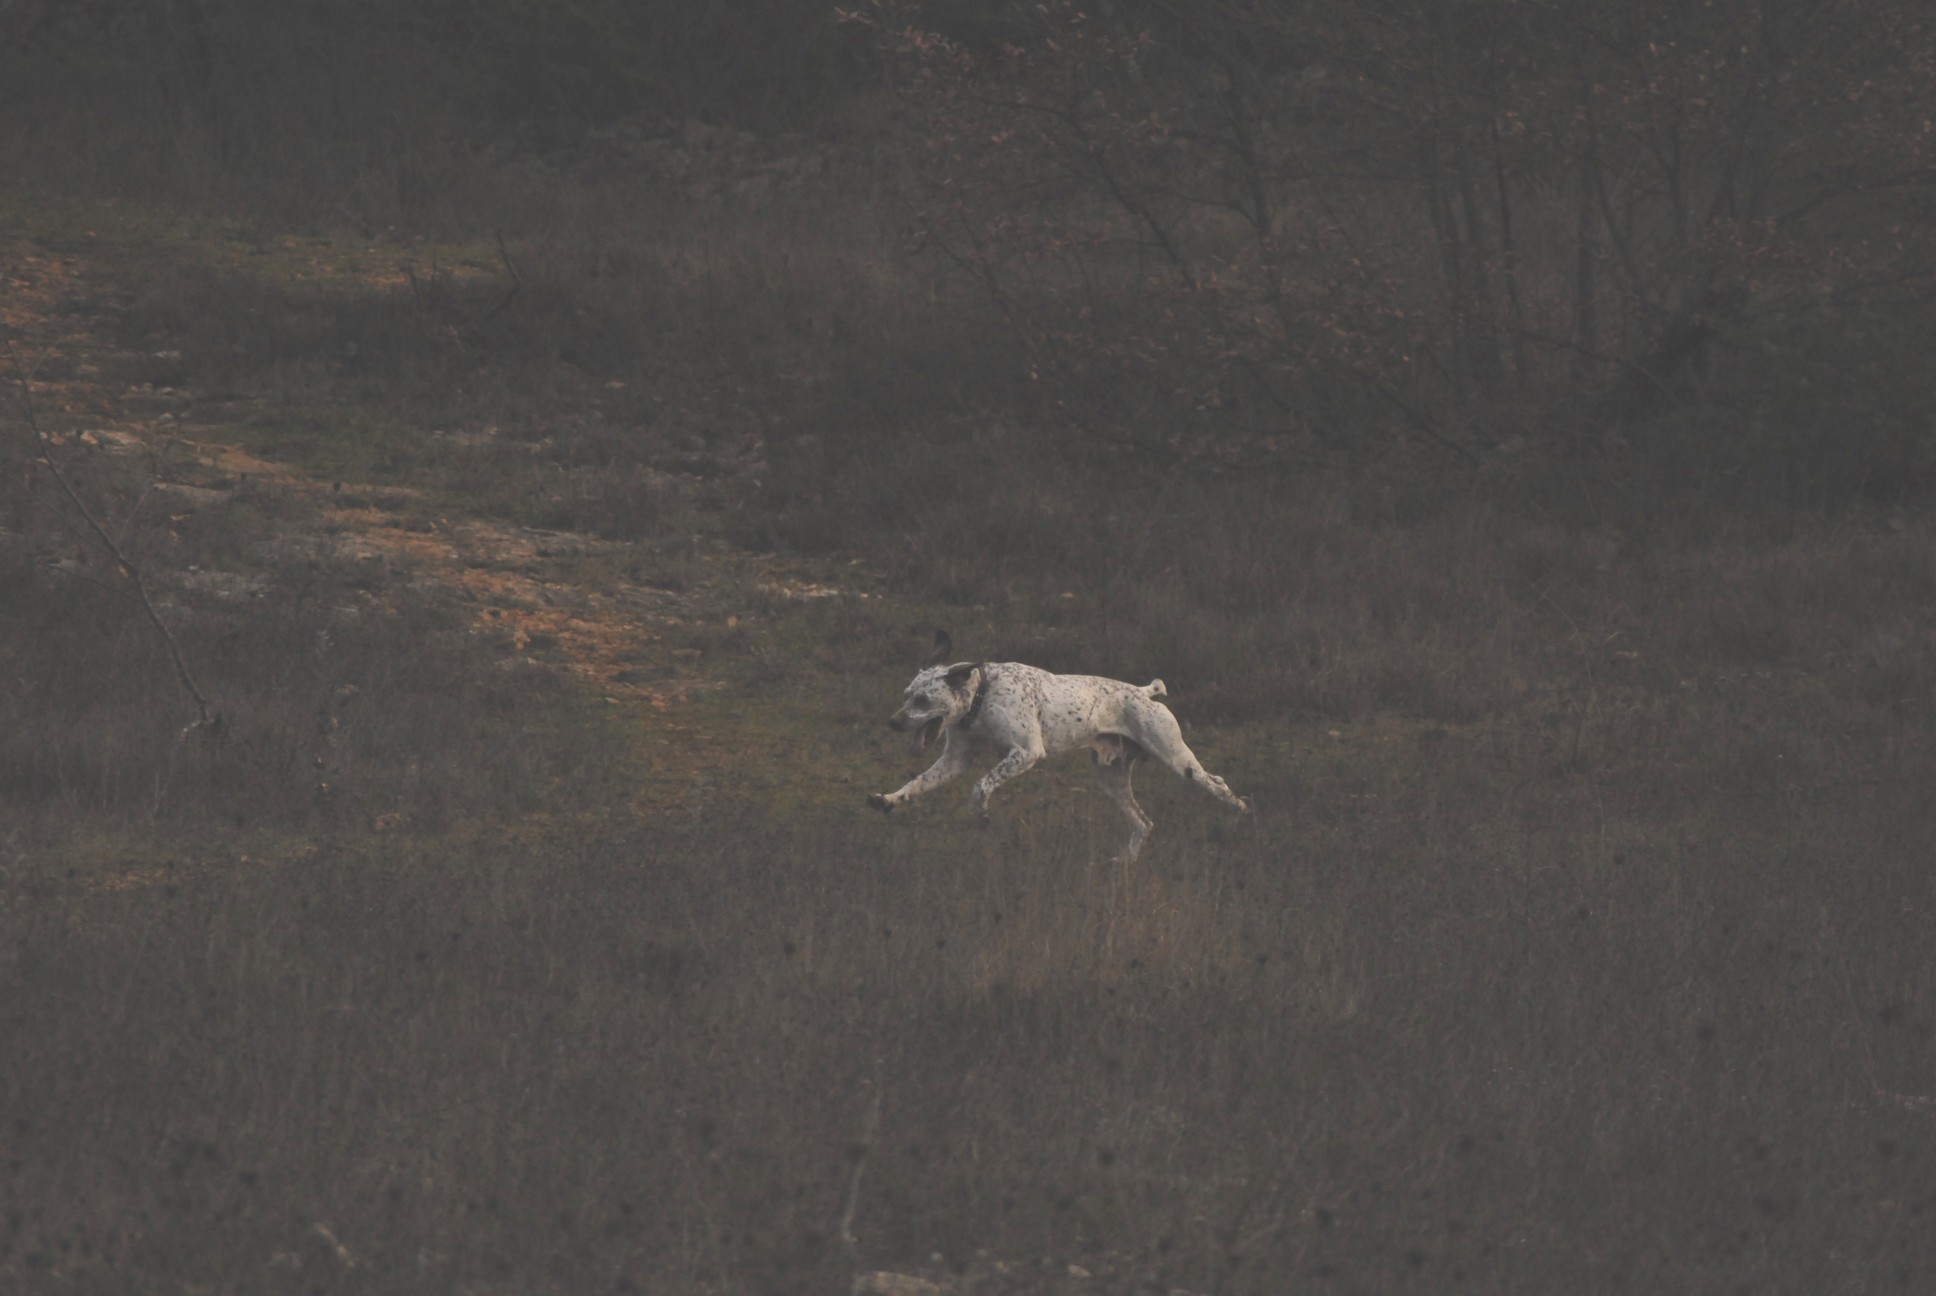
[(1243, 805), (880, 802)]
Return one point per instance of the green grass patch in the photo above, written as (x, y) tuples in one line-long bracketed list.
[(335, 444)]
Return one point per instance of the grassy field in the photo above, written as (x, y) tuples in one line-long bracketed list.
[(523, 929)]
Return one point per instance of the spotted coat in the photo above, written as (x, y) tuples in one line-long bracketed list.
[(1023, 714)]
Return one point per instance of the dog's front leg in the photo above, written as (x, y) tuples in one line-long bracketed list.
[(952, 762), (1018, 761)]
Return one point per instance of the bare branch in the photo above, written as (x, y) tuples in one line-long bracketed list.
[(1424, 426)]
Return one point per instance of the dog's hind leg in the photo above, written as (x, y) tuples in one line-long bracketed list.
[(1161, 736), (1115, 762)]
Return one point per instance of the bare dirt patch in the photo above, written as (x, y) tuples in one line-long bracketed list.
[(550, 598)]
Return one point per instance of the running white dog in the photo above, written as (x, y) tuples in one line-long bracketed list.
[(1025, 714)]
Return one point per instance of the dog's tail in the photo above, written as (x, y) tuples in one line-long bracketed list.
[(1155, 689)]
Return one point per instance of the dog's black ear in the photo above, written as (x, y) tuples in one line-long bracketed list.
[(944, 644), (959, 675)]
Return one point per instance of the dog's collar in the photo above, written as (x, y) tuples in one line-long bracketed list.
[(981, 696)]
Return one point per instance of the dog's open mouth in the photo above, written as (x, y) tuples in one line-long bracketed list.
[(929, 732)]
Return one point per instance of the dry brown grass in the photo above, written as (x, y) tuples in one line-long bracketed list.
[(1577, 944), (1425, 1021)]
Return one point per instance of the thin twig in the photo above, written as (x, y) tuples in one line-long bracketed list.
[(1421, 423), (869, 1124), (511, 269), (205, 719)]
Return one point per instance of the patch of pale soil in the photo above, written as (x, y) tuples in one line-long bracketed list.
[(985, 1275), (514, 579)]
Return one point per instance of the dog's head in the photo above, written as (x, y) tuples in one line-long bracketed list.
[(936, 700)]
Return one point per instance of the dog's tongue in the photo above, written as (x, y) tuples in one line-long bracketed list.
[(925, 736)]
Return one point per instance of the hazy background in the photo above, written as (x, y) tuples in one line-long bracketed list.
[(1507, 430)]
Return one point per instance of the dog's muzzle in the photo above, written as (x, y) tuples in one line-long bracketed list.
[(901, 722)]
